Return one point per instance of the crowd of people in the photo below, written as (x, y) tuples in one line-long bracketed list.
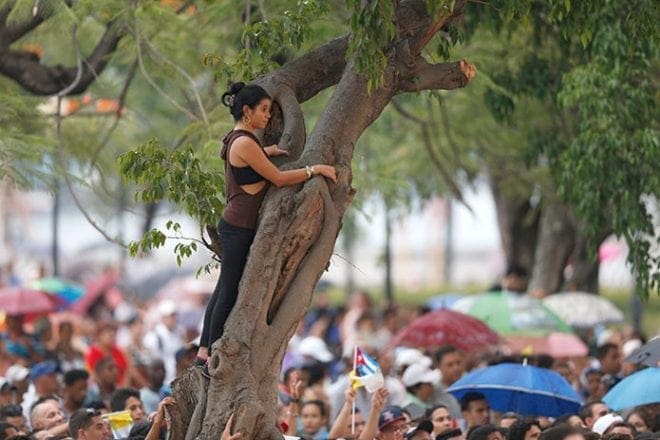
[(62, 381)]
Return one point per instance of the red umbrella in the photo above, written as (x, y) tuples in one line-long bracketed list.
[(23, 301), (94, 289), (442, 327)]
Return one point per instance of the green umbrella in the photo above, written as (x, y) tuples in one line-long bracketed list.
[(510, 313)]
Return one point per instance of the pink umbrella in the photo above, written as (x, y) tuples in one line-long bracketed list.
[(442, 327), (560, 345), (23, 301)]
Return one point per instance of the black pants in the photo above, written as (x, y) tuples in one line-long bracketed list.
[(235, 243)]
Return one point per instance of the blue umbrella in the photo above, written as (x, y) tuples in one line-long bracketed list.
[(639, 388), (524, 389)]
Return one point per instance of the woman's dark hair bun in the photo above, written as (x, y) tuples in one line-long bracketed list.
[(229, 96)]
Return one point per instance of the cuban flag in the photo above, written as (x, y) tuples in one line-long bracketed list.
[(366, 372)]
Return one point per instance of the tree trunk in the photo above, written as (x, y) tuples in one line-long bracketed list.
[(298, 227), (556, 242), (518, 223)]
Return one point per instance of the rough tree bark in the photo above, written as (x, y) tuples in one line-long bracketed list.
[(299, 225), (518, 223)]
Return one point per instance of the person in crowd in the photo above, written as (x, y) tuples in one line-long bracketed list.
[(621, 427), (166, 338), (593, 388), (104, 347), (7, 430), (422, 431), (452, 434), (74, 391), (485, 432), (248, 174), (642, 419), (185, 358), (69, 357), (46, 415), (44, 384), (105, 381), (18, 376), (475, 409), (14, 414), (128, 399), (563, 432), (7, 392), (569, 419), (441, 419), (363, 429), (314, 417), (156, 427), (88, 424), (18, 343), (605, 422), (43, 336), (157, 390), (567, 370), (358, 303), (449, 360), (514, 280), (609, 356), (392, 424), (420, 382), (508, 418), (526, 429), (592, 411)]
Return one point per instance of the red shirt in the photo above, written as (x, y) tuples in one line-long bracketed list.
[(95, 354)]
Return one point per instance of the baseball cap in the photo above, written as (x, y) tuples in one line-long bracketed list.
[(16, 373), (315, 347), (605, 422), (42, 369), (167, 307), (420, 373), (390, 414), (424, 425)]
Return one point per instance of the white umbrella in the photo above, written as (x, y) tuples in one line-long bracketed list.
[(583, 310)]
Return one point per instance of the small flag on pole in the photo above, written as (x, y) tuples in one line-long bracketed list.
[(120, 423), (366, 372)]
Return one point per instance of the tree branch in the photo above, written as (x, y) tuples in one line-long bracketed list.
[(25, 68), (445, 76)]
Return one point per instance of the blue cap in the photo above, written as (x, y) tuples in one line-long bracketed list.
[(390, 414), (43, 368)]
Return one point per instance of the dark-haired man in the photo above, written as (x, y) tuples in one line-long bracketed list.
[(128, 399), (475, 409), (88, 424), (74, 391)]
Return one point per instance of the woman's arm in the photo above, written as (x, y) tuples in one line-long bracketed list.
[(159, 418), (246, 152)]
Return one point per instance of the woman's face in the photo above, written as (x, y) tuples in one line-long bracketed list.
[(639, 423), (441, 420), (260, 114), (311, 418)]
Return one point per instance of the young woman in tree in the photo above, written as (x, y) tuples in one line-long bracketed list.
[(248, 173)]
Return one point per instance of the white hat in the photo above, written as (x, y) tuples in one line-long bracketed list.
[(167, 307), (629, 346), (420, 373), (16, 373), (605, 422), (315, 347), (409, 356)]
